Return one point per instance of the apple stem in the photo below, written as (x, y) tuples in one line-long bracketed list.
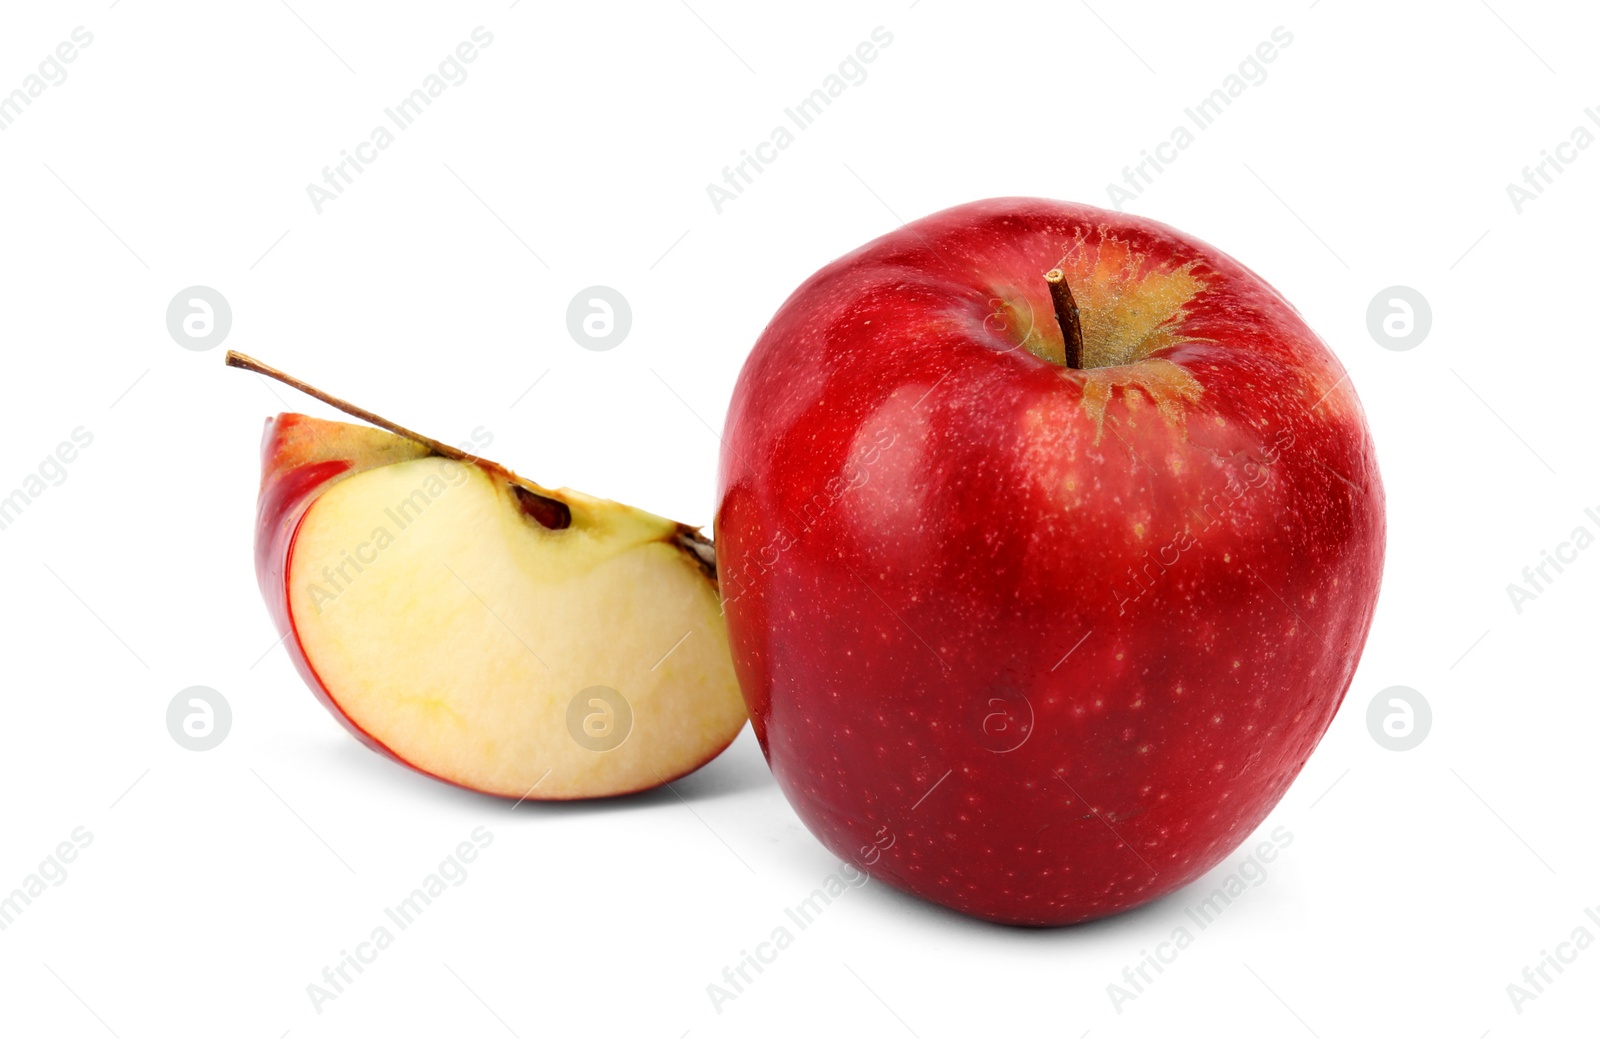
[(250, 364), (551, 513), (1066, 316)]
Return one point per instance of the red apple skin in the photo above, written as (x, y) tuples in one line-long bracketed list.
[(1029, 659)]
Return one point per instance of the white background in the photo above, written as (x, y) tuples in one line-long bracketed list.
[(219, 884)]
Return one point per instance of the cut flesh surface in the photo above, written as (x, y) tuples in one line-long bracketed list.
[(481, 646)]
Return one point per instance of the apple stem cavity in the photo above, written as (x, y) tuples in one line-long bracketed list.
[(250, 364), (1066, 316)]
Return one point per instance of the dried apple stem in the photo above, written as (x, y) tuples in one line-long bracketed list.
[(1066, 316), (552, 513), (250, 364)]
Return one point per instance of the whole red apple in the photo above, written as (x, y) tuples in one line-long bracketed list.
[(1049, 539)]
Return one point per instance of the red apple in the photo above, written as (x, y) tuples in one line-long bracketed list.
[(524, 641), (1049, 539)]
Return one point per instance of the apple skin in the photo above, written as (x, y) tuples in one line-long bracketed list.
[(1039, 644)]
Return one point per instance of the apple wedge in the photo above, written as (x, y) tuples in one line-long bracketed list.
[(499, 635)]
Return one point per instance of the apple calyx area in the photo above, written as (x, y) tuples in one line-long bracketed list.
[(521, 641), (1120, 360)]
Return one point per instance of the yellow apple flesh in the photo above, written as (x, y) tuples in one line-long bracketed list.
[(456, 629)]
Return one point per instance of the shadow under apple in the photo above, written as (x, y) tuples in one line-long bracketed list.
[(738, 770)]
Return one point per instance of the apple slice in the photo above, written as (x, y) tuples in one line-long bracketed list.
[(502, 636)]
